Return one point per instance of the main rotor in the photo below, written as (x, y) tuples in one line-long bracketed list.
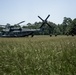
[(44, 21)]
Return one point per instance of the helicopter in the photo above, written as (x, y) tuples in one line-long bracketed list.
[(12, 31)]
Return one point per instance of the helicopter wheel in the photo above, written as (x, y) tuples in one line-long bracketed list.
[(32, 35)]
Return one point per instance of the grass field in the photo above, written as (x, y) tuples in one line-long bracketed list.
[(40, 55)]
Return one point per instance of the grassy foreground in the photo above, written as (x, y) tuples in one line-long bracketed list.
[(40, 55)]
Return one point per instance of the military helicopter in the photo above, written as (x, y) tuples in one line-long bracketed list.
[(12, 31)]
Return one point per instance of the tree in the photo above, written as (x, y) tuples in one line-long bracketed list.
[(53, 25), (7, 25), (73, 27), (57, 30), (66, 25)]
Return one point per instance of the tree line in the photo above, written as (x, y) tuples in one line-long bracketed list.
[(68, 27)]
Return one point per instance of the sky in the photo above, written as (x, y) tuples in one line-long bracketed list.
[(14, 11)]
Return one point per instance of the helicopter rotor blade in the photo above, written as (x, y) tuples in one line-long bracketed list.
[(48, 25), (20, 22), (42, 25), (45, 21), (47, 17), (40, 18)]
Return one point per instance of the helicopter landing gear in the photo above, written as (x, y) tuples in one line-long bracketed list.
[(32, 35)]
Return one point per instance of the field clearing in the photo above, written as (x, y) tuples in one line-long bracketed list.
[(40, 55)]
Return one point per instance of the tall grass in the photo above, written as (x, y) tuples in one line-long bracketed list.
[(40, 55)]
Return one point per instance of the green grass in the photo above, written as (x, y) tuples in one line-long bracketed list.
[(40, 55)]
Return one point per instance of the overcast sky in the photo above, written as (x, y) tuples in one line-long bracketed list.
[(14, 11)]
